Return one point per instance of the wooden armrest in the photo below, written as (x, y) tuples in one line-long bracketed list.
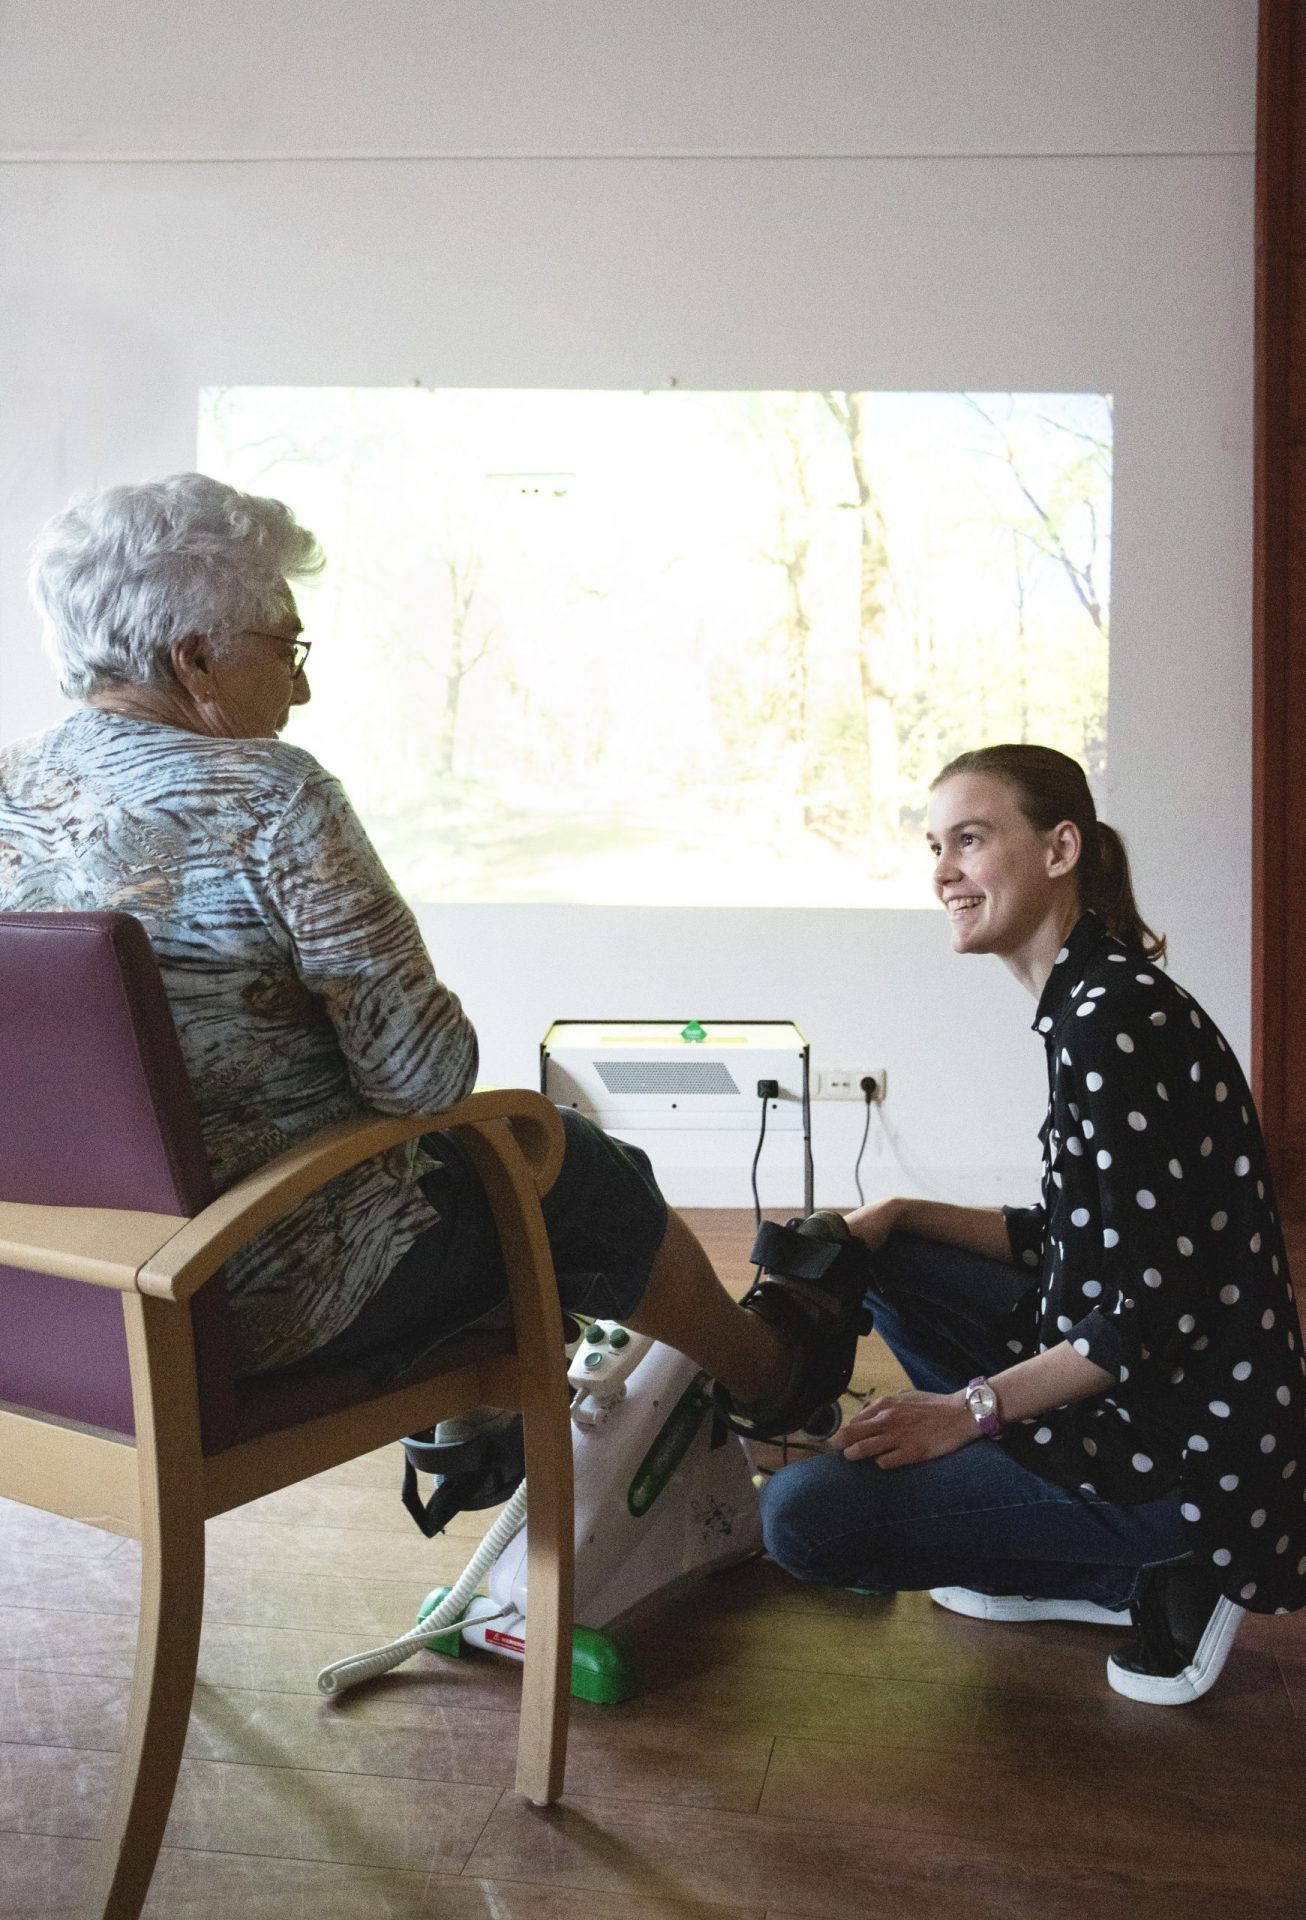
[(177, 1269), (100, 1244), (170, 1256)]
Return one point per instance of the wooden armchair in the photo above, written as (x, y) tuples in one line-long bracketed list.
[(118, 1403)]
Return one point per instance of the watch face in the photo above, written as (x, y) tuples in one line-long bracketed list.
[(982, 1401)]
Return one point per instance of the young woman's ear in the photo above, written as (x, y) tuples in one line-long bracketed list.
[(1065, 845)]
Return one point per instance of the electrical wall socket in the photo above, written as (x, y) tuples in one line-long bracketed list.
[(845, 1083)]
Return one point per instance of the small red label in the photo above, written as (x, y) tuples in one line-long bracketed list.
[(509, 1640)]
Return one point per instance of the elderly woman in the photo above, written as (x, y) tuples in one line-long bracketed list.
[(299, 982)]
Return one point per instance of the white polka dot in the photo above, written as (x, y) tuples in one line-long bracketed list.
[(1064, 1323), (1220, 1408), (1221, 1091), (1228, 1481), (1188, 1510), (1281, 1544), (1157, 1019), (1065, 1058), (1186, 1323), (1267, 1319), (1242, 1164), (1091, 1289), (1200, 1346), (1045, 1024), (1079, 1218), (1219, 1221), (1141, 1463), (1093, 1081), (1144, 979), (1145, 1199), (1246, 1593), (1274, 1264), (1198, 1443), (1283, 1395), (1095, 993), (1206, 1146), (1082, 1013), (1176, 1170), (1124, 1043), (1063, 955), (1030, 1257), (1243, 1370), (1258, 1518), (1268, 1443), (1160, 1087), (1090, 1448), (1229, 1296), (1288, 1472), (1254, 1244), (1081, 1347), (1137, 1121), (1043, 1435), (1074, 1146), (1222, 1556), (1195, 1017), (1151, 1278)]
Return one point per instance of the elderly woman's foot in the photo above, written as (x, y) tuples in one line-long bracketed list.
[(813, 1281)]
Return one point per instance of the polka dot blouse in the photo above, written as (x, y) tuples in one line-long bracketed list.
[(1158, 1255)]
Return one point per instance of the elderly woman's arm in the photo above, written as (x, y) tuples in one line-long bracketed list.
[(409, 1046)]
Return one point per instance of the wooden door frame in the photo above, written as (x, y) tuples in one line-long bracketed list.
[(1279, 600)]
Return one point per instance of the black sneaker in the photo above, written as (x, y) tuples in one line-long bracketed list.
[(813, 1280), (1183, 1630)]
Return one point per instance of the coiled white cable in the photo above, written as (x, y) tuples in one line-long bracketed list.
[(367, 1666)]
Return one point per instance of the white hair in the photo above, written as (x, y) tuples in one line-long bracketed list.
[(122, 574)]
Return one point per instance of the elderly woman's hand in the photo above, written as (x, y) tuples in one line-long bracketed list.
[(900, 1429)]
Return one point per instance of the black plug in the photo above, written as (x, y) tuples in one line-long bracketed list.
[(869, 1086), (768, 1089)]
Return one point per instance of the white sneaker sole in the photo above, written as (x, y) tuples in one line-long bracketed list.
[(1014, 1607), (1197, 1678)]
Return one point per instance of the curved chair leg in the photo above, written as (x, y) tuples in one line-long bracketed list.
[(546, 1674), (167, 1650), (537, 1326)]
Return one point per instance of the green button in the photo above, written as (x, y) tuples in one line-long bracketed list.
[(594, 1333), (593, 1359), (619, 1337)]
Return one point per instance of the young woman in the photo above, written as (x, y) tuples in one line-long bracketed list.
[(1108, 1410)]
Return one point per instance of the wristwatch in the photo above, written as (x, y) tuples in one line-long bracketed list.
[(983, 1404)]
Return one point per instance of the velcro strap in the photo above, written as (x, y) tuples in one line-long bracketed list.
[(799, 1256)]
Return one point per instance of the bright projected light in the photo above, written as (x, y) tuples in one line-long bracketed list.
[(672, 648)]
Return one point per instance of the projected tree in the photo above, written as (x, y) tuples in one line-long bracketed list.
[(675, 647)]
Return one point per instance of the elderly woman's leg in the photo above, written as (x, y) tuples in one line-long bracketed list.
[(685, 1305)]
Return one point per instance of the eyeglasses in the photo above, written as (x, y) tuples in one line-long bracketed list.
[(299, 649)]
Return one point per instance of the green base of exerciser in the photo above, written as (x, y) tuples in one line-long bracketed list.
[(600, 1670)]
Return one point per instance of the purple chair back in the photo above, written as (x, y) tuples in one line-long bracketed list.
[(96, 1110)]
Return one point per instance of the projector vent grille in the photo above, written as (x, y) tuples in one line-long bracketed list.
[(665, 1076)]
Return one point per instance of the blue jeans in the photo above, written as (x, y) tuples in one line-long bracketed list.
[(975, 1518)]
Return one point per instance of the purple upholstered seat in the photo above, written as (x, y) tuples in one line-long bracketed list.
[(96, 1111)]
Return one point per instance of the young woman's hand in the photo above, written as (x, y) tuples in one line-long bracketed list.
[(899, 1429)]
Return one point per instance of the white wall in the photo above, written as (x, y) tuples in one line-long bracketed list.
[(1028, 194)]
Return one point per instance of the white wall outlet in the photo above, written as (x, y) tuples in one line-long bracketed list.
[(845, 1083)]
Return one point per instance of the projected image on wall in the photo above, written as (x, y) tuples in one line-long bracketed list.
[(681, 648)]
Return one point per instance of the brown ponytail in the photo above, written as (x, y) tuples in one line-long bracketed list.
[(1051, 787)]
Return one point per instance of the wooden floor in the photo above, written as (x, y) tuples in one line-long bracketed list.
[(792, 1752)]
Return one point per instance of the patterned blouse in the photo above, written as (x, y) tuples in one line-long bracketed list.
[(301, 989), (1159, 1257)]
